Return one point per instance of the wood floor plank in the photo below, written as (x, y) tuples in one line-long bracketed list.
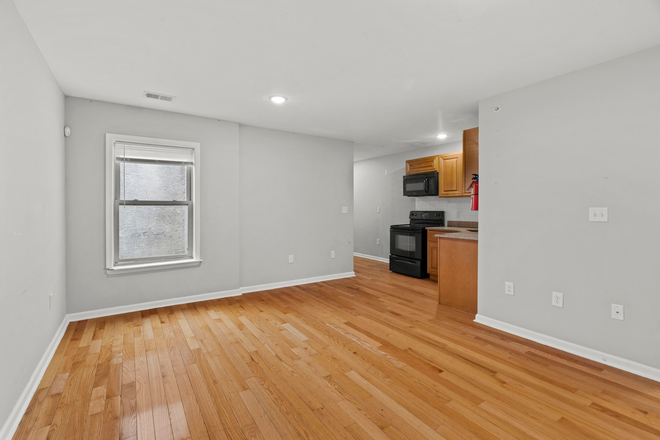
[(372, 356)]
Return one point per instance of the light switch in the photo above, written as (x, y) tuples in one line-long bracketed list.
[(597, 214), (344, 209)]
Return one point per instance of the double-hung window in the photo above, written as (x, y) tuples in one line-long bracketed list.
[(152, 203)]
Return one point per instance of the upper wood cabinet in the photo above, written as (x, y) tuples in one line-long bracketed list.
[(470, 157), (422, 165), (455, 170), (451, 175)]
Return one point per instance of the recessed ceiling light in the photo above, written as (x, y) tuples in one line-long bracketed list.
[(278, 99), (442, 136)]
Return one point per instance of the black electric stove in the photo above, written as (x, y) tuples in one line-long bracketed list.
[(408, 243)]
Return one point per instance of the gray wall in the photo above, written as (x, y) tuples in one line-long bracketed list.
[(587, 139), (88, 286), (292, 189), (265, 194), (374, 188), (32, 199)]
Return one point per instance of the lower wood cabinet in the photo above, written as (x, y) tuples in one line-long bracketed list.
[(432, 254), (457, 273)]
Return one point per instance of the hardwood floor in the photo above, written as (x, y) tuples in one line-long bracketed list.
[(368, 357)]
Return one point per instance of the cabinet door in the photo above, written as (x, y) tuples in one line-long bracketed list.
[(422, 165), (432, 254), (470, 157), (451, 175), (457, 274)]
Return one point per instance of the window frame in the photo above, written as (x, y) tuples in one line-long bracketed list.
[(193, 258)]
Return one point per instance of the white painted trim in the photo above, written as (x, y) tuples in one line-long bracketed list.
[(299, 282), (569, 347), (99, 313), (152, 266), (202, 297), (9, 428), (371, 257)]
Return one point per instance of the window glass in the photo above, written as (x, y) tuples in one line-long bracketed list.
[(152, 231), (153, 182)]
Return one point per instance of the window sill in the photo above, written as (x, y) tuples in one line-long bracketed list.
[(161, 265)]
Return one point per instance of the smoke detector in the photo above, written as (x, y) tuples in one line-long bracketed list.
[(158, 96)]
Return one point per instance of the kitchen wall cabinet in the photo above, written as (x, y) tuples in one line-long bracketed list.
[(455, 170), (470, 157), (451, 175), (422, 165)]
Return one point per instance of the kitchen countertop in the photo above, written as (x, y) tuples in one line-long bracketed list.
[(455, 233)]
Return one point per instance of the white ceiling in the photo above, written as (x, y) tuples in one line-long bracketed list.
[(385, 74)]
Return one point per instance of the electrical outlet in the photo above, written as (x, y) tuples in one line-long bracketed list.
[(344, 209), (332, 254), (50, 301), (378, 242), (557, 299), (598, 214), (617, 312), (508, 288), (290, 259)]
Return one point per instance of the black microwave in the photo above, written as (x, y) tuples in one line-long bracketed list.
[(419, 185)]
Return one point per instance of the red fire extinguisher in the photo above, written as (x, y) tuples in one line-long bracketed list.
[(475, 192)]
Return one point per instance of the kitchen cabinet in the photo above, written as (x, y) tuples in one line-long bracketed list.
[(451, 175), (457, 273), (422, 165), (470, 157)]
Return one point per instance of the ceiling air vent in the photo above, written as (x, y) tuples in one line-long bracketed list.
[(158, 96)]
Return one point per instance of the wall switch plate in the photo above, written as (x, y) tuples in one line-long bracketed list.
[(617, 312), (508, 288), (378, 209), (557, 299), (290, 258), (378, 242), (332, 254), (50, 301), (386, 172), (597, 214), (344, 209)]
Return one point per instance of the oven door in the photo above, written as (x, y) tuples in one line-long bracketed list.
[(408, 243)]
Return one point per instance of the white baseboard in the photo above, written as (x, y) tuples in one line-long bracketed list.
[(10, 426), (371, 257), (299, 282), (202, 297), (99, 313), (585, 352)]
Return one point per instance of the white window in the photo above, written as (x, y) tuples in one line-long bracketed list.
[(152, 203)]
